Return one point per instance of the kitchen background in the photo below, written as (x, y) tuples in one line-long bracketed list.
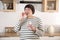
[(10, 19)]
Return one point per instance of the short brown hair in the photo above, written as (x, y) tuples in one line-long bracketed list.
[(31, 7)]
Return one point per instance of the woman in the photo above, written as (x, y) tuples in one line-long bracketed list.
[(29, 27)]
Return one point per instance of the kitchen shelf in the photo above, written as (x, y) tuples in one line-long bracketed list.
[(37, 2)]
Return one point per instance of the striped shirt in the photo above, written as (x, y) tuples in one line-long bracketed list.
[(25, 33)]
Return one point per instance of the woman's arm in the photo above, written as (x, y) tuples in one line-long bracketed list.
[(20, 23), (39, 30)]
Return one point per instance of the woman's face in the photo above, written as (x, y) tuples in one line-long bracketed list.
[(28, 11)]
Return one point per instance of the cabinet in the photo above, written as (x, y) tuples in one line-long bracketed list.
[(50, 5), (7, 5)]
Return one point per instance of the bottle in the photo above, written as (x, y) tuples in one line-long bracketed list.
[(30, 25), (51, 30), (5, 6)]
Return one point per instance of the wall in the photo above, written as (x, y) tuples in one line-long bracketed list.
[(11, 18)]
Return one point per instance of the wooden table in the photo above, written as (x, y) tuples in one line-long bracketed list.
[(15, 34), (9, 35), (55, 34)]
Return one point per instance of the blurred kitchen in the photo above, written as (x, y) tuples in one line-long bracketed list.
[(47, 10)]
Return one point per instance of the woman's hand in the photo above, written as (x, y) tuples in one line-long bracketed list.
[(23, 14), (31, 27)]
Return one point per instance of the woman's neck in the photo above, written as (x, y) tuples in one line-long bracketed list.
[(30, 17)]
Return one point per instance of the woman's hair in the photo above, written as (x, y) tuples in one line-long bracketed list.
[(31, 7)]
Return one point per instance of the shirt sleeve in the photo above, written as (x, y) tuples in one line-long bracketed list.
[(39, 30), (19, 24), (17, 27)]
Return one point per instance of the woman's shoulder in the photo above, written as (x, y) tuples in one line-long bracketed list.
[(22, 19), (37, 18)]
